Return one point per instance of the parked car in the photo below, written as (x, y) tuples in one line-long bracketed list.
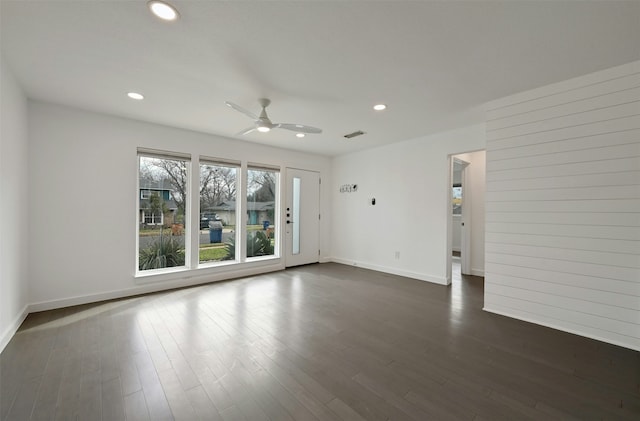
[(205, 218)]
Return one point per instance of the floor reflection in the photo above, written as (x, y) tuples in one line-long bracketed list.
[(463, 289)]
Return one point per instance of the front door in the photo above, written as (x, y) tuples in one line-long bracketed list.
[(302, 217)]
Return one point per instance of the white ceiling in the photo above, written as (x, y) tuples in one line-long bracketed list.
[(322, 63)]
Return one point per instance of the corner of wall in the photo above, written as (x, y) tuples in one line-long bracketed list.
[(12, 328), (13, 190)]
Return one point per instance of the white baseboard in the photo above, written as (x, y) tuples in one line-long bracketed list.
[(440, 280), (477, 272), (524, 318), (186, 281), (13, 328)]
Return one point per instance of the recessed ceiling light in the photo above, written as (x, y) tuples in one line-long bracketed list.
[(379, 107), (163, 10), (135, 95), (299, 134)]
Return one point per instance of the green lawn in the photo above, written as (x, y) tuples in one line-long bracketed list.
[(208, 254)]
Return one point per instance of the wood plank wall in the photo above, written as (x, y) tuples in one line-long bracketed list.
[(563, 206)]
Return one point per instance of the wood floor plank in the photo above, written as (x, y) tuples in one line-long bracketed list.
[(180, 405), (243, 399), (135, 407), (157, 403), (259, 387), (233, 414), (68, 400), (45, 403), (22, 406), (325, 341), (296, 389), (344, 411), (112, 401), (202, 405), (90, 403), (215, 391)]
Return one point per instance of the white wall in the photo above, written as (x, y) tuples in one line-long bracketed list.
[(411, 183), (82, 190), (14, 221), (563, 206)]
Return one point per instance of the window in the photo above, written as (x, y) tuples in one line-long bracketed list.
[(456, 199), (262, 191), (218, 214), (163, 184), (149, 217), (218, 194)]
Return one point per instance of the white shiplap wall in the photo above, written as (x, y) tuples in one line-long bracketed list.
[(563, 206)]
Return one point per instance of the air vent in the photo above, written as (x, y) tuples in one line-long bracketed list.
[(354, 134)]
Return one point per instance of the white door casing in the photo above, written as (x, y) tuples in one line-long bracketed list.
[(302, 217)]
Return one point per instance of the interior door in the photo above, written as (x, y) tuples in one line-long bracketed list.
[(302, 217), (465, 229)]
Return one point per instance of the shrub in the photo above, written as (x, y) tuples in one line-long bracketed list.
[(162, 253), (258, 244), (230, 247)]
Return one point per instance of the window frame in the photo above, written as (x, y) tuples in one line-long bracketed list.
[(276, 212), (192, 268), (158, 154), (237, 165)]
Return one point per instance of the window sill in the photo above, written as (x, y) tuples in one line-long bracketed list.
[(212, 271), (157, 272)]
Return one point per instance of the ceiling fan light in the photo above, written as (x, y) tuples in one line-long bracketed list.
[(163, 10), (299, 134), (263, 129)]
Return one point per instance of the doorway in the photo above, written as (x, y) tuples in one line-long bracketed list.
[(460, 220), (302, 217), (465, 220)]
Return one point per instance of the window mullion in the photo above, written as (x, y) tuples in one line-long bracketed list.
[(241, 221)]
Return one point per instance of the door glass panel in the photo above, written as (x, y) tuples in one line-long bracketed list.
[(296, 216)]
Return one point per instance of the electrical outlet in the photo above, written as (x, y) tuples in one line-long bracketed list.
[(397, 255)]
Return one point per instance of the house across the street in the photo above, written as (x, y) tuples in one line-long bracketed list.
[(156, 203), (257, 212)]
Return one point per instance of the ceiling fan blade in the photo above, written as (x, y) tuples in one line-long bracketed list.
[(246, 131), (242, 110), (300, 128)]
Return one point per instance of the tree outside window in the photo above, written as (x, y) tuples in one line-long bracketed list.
[(162, 200)]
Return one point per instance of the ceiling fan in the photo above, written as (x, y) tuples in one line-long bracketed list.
[(263, 124)]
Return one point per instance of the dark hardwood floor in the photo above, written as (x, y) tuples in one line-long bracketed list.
[(316, 342)]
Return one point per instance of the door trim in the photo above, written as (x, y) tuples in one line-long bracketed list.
[(312, 253)]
